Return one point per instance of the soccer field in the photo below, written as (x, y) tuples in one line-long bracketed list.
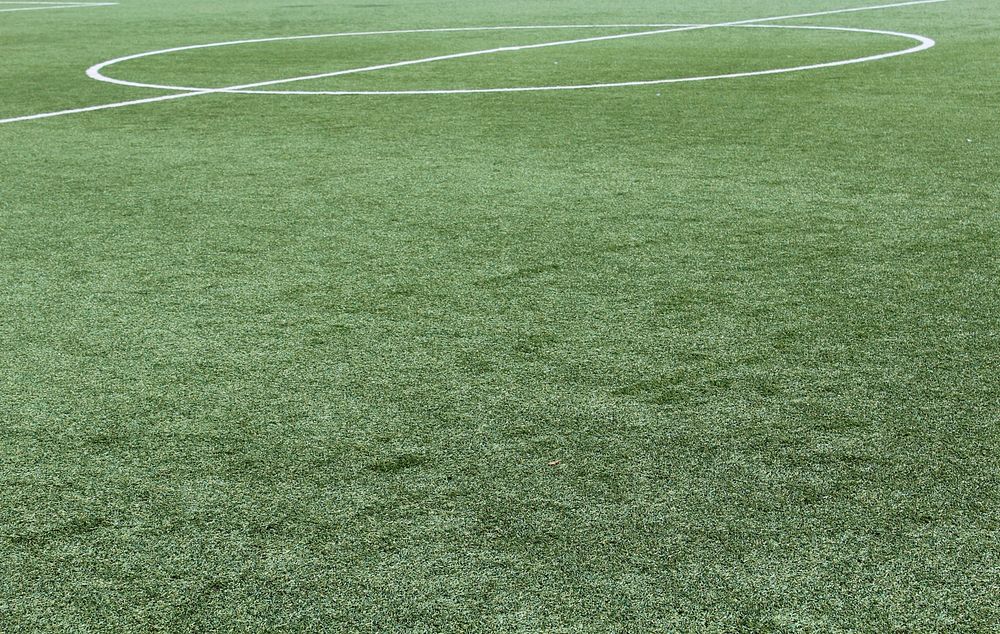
[(510, 316)]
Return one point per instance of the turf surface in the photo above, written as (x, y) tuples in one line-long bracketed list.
[(708, 357)]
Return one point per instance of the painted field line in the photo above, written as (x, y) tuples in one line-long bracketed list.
[(107, 106), (45, 6), (923, 43), (94, 71)]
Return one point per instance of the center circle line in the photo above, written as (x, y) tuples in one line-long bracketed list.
[(96, 71)]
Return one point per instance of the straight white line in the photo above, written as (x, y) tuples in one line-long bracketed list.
[(108, 106), (196, 92), (94, 72), (55, 5), (61, 6), (924, 43), (602, 38)]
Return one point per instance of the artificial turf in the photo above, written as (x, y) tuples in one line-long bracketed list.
[(705, 357)]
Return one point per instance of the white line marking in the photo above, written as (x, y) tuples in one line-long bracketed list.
[(924, 43), (95, 71), (55, 5), (105, 106)]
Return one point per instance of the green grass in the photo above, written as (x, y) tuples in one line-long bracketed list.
[(301, 363)]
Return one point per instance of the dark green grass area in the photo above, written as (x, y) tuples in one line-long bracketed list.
[(716, 357)]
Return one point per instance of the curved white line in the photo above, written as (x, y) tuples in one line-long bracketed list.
[(923, 43), (95, 71)]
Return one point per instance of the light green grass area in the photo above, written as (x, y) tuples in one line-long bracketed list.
[(705, 357)]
